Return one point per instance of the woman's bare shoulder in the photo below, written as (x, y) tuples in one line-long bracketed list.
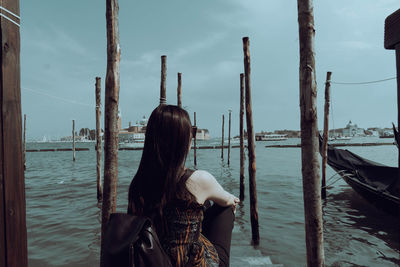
[(201, 175), (203, 178)]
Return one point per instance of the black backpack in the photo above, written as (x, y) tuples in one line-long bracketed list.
[(131, 241)]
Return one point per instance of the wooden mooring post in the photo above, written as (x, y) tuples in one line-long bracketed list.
[(163, 95), (24, 142), (99, 147), (326, 133), (222, 139), (73, 140), (110, 118), (392, 41), (309, 137), (13, 236), (229, 138), (179, 90), (251, 146), (194, 141), (241, 132)]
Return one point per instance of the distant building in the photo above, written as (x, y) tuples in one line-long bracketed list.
[(352, 130), (289, 133), (134, 133), (373, 131), (202, 134), (137, 132)]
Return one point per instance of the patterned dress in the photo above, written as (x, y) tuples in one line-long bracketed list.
[(184, 241)]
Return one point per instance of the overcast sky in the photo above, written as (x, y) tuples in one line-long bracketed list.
[(63, 49)]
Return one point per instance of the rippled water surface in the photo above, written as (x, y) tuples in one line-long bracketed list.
[(63, 217)]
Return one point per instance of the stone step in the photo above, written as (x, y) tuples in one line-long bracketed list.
[(244, 254), (261, 261), (245, 251)]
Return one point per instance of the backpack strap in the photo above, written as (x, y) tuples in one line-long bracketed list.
[(122, 230), (130, 240), (186, 175)]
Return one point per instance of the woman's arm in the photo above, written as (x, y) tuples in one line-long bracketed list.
[(204, 186)]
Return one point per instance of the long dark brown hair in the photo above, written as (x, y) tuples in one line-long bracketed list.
[(158, 179)]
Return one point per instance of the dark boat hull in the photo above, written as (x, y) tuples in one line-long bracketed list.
[(377, 183), (380, 200)]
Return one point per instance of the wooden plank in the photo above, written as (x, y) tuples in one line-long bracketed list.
[(392, 30), (13, 245), (335, 145)]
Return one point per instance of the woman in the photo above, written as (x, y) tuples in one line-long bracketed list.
[(173, 196)]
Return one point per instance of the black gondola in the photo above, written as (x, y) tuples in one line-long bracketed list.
[(377, 183)]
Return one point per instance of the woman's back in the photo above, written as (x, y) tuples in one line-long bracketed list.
[(183, 240), (172, 197)]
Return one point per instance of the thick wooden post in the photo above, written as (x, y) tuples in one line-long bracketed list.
[(251, 146), (163, 96), (98, 139), (398, 94), (241, 194), (229, 139), (13, 245), (73, 140), (195, 139), (222, 140), (326, 133), (24, 141), (179, 90), (111, 117), (392, 41), (310, 137)]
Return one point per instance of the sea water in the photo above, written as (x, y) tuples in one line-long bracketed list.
[(63, 217)]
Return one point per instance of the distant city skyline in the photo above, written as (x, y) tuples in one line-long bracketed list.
[(63, 49)]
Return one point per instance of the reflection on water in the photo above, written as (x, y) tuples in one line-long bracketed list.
[(354, 228)]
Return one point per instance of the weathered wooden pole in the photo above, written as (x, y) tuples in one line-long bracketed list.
[(163, 96), (229, 139), (24, 141), (241, 194), (73, 140), (310, 136), (251, 146), (222, 140), (179, 90), (98, 138), (195, 138), (392, 41), (111, 117), (398, 95), (326, 133), (13, 244)]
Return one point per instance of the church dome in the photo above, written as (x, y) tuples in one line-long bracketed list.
[(350, 124)]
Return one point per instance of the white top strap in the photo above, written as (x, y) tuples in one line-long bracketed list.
[(8, 18)]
